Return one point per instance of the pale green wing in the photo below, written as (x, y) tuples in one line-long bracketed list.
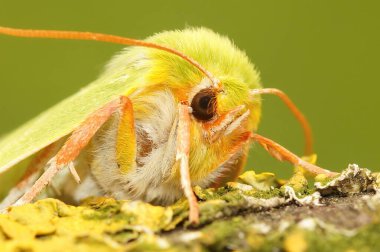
[(61, 119)]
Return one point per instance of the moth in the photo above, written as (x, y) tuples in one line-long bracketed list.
[(173, 111)]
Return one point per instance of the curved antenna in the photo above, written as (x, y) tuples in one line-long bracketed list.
[(75, 35), (296, 112)]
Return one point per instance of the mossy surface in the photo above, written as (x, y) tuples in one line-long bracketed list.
[(257, 213)]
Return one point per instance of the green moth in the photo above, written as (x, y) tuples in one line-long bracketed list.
[(173, 111)]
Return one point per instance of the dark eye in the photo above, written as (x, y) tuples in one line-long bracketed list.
[(204, 105)]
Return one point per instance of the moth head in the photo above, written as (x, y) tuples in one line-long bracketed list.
[(223, 113), (218, 99)]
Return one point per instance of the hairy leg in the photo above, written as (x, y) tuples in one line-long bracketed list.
[(183, 150), (72, 147), (281, 153), (33, 170), (233, 174)]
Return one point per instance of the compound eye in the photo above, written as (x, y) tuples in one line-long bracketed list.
[(204, 105)]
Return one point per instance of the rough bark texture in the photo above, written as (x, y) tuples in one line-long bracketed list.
[(257, 213)]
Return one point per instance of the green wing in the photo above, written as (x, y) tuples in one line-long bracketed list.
[(61, 119), (124, 74)]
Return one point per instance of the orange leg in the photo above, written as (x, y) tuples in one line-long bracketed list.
[(73, 146), (281, 153), (296, 112), (33, 170), (37, 164), (244, 139), (183, 150)]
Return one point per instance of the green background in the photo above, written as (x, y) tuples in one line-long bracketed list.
[(324, 54)]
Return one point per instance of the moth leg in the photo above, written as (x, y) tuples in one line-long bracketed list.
[(244, 139), (183, 150), (33, 170), (73, 146), (281, 153), (126, 150)]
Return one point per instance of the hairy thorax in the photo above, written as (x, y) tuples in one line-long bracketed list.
[(154, 177)]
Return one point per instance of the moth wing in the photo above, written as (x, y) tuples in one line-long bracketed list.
[(60, 120)]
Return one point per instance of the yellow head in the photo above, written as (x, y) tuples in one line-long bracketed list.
[(223, 111)]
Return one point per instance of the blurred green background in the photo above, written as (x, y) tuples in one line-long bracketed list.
[(324, 54)]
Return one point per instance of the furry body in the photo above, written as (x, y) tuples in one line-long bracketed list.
[(155, 82), (152, 179)]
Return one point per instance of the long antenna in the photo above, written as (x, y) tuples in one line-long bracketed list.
[(296, 112), (75, 35)]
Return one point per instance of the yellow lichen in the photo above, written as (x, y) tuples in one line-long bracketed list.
[(298, 182), (14, 230), (295, 242), (152, 217), (263, 181), (106, 224)]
